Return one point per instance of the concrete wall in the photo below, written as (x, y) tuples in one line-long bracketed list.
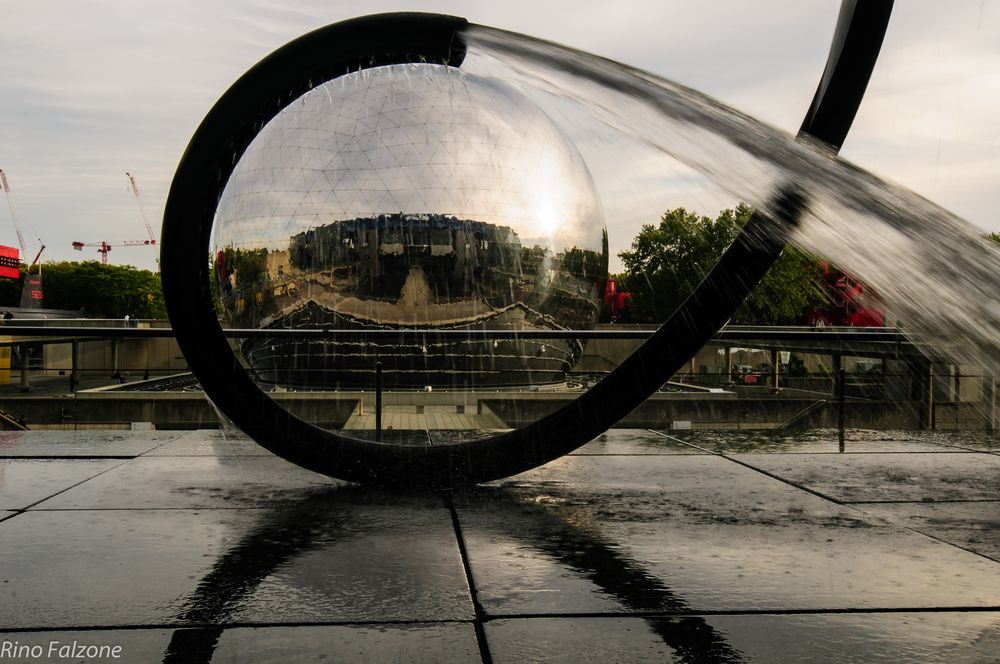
[(166, 410), (172, 410), (947, 398), (606, 354), (137, 357), (699, 411)]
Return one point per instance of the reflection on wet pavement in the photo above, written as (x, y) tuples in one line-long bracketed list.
[(865, 638), (677, 518), (59, 444), (642, 547), (635, 441), (331, 556), (974, 525), (886, 477), (210, 443), (819, 441), (688, 640), (432, 643), (193, 482), (24, 482)]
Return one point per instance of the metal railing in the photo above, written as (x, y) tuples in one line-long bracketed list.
[(861, 342)]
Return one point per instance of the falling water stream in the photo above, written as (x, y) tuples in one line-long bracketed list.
[(935, 272)]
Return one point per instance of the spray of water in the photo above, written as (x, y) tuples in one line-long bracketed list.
[(936, 274)]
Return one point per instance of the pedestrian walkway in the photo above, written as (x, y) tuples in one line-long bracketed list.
[(641, 546), (431, 417)]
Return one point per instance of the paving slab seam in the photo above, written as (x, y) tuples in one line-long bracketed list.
[(636, 454), (232, 625), (180, 435), (166, 442), (187, 508), (967, 449), (913, 529), (849, 452), (801, 487), (746, 612), (73, 486), (683, 442), (951, 449), (481, 615), (151, 458), (857, 506), (921, 502), (65, 457)]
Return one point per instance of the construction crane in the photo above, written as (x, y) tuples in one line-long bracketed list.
[(17, 228), (103, 248), (138, 201)]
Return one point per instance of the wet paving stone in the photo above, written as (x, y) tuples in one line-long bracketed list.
[(451, 436), (974, 526), (392, 644), (130, 645), (820, 441), (634, 524), (24, 482), (955, 441), (194, 482), (82, 443), (971, 440), (210, 442), (429, 643), (888, 477), (684, 534), (329, 558), (635, 441), (599, 640), (862, 638)]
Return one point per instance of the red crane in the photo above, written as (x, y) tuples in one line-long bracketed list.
[(849, 302), (13, 217), (615, 300), (105, 247)]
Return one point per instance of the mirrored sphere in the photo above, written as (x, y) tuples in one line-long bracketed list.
[(411, 196)]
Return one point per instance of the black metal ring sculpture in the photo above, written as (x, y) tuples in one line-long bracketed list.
[(380, 40)]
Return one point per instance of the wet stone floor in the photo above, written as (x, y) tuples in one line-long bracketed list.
[(641, 546)]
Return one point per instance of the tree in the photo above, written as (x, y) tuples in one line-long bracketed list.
[(10, 291), (667, 261), (100, 291)]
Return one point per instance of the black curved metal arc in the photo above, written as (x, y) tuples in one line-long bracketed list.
[(642, 373), (857, 40), (856, 44), (387, 39), (201, 176)]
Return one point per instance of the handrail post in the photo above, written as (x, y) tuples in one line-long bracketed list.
[(378, 401), (841, 381)]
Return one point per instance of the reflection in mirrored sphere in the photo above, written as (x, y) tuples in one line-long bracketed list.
[(411, 196)]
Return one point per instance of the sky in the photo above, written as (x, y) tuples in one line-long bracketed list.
[(90, 90)]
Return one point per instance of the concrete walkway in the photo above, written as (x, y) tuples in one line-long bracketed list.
[(641, 546), (442, 418)]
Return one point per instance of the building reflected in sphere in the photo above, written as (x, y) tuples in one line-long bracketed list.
[(411, 196)]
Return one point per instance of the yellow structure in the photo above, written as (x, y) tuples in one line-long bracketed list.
[(5, 364)]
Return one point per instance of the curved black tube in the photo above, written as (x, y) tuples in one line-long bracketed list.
[(403, 38)]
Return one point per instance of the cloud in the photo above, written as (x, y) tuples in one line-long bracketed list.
[(94, 89)]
